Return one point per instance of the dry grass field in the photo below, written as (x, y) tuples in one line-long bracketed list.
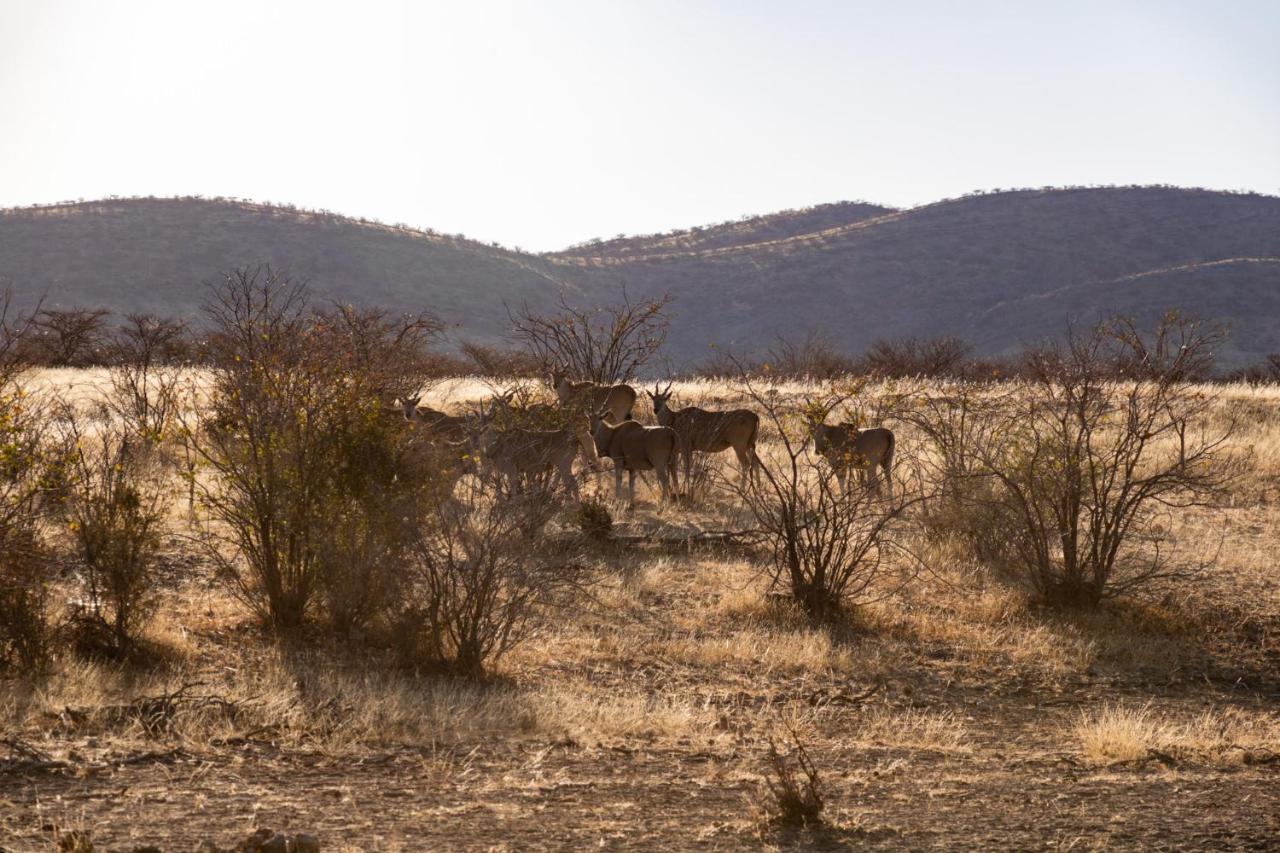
[(950, 711)]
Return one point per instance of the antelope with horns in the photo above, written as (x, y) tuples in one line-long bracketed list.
[(515, 452), (845, 446), (440, 424), (709, 432), (635, 447), (589, 397)]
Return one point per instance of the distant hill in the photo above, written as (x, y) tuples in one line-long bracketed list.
[(741, 232), (998, 269), (155, 254)]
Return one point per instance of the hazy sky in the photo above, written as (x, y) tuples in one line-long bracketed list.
[(540, 124)]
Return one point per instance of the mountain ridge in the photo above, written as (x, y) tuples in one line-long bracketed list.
[(990, 267)]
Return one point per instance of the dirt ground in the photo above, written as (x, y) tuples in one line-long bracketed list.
[(944, 754)]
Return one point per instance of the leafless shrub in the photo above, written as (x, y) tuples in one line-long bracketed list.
[(496, 361), (476, 584), (956, 423), (1265, 372), (387, 478), (14, 328), (117, 500), (30, 469), (68, 337), (392, 354), (828, 545), (24, 598), (794, 791), (814, 357), (1089, 465), (146, 371), (594, 520), (604, 344), (938, 357)]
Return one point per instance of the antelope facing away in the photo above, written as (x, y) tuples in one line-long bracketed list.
[(589, 397), (516, 452), (845, 446), (709, 432), (635, 447)]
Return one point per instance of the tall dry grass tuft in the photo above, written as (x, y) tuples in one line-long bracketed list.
[(1116, 734)]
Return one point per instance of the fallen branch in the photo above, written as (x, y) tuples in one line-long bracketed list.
[(25, 758)]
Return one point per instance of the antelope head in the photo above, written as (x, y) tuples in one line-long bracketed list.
[(410, 406), (660, 397)]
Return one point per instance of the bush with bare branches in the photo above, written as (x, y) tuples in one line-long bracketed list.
[(815, 357), (68, 337), (476, 585), (295, 436), (500, 362), (30, 469), (794, 792), (603, 344), (118, 498), (147, 356), (937, 357), (828, 545), (1091, 453)]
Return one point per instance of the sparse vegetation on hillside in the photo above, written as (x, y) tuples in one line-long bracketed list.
[(998, 270)]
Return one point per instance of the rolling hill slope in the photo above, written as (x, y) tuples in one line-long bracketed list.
[(998, 269)]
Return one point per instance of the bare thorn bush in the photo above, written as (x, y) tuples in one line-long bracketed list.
[(828, 544), (792, 785), (1092, 451), (603, 344), (295, 437), (147, 356), (31, 476), (476, 584)]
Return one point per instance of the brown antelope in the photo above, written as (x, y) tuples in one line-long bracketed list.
[(508, 411), (709, 432), (515, 452), (589, 397), (845, 446), (446, 426), (635, 447)]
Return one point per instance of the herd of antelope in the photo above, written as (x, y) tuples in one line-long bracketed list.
[(597, 421)]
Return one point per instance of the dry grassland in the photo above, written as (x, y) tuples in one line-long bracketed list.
[(951, 712)]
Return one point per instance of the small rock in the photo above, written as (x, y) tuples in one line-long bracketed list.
[(275, 844), (208, 846), (254, 843), (304, 842)]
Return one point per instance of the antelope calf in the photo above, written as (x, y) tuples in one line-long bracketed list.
[(845, 446), (709, 432), (635, 447), (589, 397)]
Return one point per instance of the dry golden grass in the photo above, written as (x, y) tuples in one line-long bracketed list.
[(689, 653), (1117, 734)]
